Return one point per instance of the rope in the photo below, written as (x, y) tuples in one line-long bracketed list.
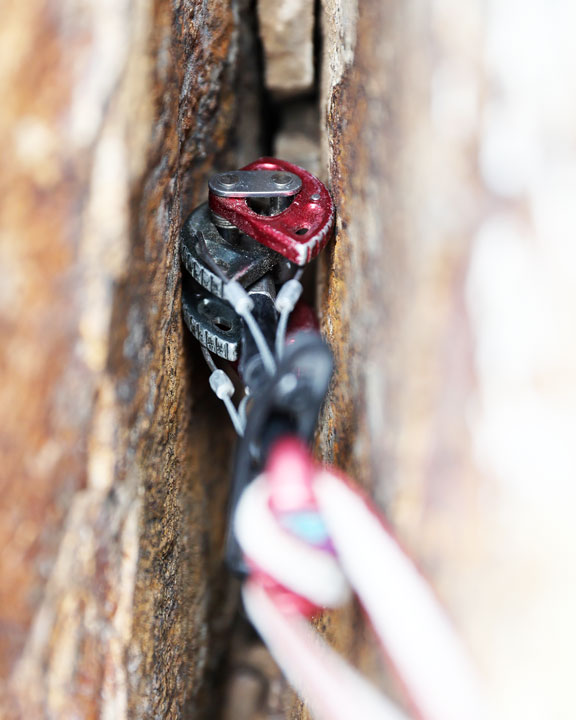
[(330, 687), (309, 537)]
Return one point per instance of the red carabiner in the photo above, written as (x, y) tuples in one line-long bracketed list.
[(299, 232)]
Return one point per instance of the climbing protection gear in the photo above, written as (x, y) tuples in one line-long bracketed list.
[(302, 537)]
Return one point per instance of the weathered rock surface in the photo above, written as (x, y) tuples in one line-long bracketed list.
[(446, 296), (452, 392), (287, 34), (112, 493)]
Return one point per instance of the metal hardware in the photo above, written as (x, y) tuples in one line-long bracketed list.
[(304, 531), (229, 232), (255, 183), (251, 365), (243, 252), (213, 322), (245, 261), (299, 231), (288, 404), (285, 303), (221, 384), (289, 296)]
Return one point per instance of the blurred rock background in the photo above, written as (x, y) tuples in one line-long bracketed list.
[(446, 133)]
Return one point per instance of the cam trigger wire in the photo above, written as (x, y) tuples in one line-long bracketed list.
[(243, 304), (242, 408), (286, 301), (224, 390)]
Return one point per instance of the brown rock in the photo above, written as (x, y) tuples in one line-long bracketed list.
[(114, 454), (113, 489), (393, 292), (439, 295)]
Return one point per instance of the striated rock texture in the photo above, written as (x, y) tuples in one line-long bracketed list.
[(392, 292), (111, 469), (447, 299), (446, 296)]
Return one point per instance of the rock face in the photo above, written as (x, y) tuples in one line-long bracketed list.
[(439, 297), (447, 298), (394, 284), (287, 34), (113, 498), (405, 188)]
